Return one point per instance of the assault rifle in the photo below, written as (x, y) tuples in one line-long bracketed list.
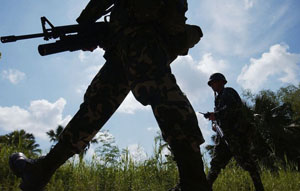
[(71, 37), (215, 125)]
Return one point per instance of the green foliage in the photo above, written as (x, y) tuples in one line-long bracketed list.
[(291, 95), (108, 152), (277, 120), (21, 141), (111, 169), (54, 137), (150, 175), (8, 181), (277, 123), (234, 178)]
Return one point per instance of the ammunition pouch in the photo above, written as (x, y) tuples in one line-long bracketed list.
[(180, 43)]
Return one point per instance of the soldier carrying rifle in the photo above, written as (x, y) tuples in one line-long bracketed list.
[(145, 37), (232, 132)]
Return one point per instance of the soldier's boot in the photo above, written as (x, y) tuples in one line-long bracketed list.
[(190, 167), (36, 173), (257, 181)]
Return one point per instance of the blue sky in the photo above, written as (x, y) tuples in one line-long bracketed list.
[(254, 43)]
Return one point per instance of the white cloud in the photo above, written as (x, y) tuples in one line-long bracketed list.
[(277, 63), (243, 28), (81, 89), (131, 105), (153, 129), (14, 76), (137, 152), (249, 4), (207, 133), (209, 65), (226, 28), (105, 137), (192, 76), (90, 153), (94, 57), (95, 61), (40, 117), (205, 127)]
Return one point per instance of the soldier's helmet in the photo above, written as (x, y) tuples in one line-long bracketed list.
[(215, 77)]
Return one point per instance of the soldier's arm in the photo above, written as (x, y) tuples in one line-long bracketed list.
[(230, 104), (94, 10)]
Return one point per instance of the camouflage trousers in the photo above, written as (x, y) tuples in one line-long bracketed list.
[(237, 146), (139, 63)]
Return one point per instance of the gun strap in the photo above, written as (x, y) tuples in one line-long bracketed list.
[(108, 10)]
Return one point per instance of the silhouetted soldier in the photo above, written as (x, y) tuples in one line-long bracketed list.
[(235, 140), (147, 36)]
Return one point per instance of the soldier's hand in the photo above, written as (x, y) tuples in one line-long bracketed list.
[(212, 117), (206, 115), (214, 127)]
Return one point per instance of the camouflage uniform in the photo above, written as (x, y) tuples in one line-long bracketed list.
[(229, 116), (138, 60), (145, 39)]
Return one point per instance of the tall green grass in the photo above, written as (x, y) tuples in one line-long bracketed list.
[(234, 178), (153, 174)]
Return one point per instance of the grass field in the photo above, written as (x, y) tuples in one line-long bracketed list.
[(154, 174)]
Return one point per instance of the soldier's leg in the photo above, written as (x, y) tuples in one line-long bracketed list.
[(102, 98), (152, 83), (247, 163), (179, 126), (241, 152), (106, 92), (221, 157)]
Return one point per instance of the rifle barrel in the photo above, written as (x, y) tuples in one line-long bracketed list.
[(58, 31), (12, 38)]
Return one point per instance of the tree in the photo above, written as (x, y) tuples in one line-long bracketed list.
[(278, 121), (54, 135), (291, 95), (210, 148), (109, 152), (21, 141)]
